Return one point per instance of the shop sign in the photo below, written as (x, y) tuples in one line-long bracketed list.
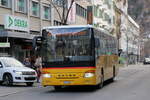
[(16, 23), (4, 45)]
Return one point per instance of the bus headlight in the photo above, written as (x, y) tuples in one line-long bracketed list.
[(46, 75), (88, 75)]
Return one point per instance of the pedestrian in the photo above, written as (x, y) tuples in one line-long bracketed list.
[(26, 62), (33, 58), (38, 65)]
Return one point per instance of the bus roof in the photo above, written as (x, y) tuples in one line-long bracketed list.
[(78, 26)]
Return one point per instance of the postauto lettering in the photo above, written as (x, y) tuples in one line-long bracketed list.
[(20, 23)]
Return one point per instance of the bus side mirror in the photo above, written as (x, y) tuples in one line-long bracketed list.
[(34, 43), (36, 40), (97, 43), (119, 52), (44, 33)]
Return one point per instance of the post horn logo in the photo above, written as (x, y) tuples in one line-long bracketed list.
[(10, 21)]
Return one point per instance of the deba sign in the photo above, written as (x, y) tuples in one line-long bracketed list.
[(16, 23)]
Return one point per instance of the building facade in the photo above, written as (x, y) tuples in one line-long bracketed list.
[(21, 20), (147, 48), (128, 33), (103, 15)]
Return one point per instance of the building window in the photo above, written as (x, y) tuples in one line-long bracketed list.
[(6, 3), (95, 11), (108, 3), (107, 18), (114, 20), (46, 14), (101, 13), (22, 6), (81, 11), (61, 3), (98, 12), (35, 8), (57, 23)]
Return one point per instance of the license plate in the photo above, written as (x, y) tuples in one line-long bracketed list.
[(67, 82)]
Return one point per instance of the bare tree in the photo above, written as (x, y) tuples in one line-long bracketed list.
[(63, 16)]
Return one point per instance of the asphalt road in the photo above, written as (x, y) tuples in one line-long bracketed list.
[(132, 83)]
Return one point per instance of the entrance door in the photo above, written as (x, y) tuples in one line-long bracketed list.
[(18, 53)]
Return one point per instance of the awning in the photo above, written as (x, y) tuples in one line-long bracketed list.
[(16, 35)]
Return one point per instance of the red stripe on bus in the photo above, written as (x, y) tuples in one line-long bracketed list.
[(69, 67)]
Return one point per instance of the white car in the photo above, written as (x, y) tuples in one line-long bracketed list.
[(13, 71), (146, 60)]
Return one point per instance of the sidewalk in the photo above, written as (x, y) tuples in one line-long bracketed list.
[(130, 65)]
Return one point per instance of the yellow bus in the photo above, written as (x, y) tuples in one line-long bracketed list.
[(77, 56)]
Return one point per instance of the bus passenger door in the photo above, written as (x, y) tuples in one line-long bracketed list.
[(109, 66), (100, 65)]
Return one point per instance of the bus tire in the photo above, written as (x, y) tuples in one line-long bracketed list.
[(57, 88), (101, 84)]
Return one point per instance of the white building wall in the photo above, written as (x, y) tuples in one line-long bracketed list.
[(100, 6), (129, 35)]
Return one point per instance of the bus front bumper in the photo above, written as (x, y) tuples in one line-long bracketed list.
[(68, 82)]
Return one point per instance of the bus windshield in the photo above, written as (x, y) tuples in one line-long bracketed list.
[(67, 44)]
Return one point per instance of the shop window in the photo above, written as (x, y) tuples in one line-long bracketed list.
[(1, 27)]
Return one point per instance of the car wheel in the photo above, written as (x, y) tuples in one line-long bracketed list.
[(7, 80), (29, 83), (1, 82)]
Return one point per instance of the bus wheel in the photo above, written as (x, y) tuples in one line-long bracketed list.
[(57, 88), (101, 84)]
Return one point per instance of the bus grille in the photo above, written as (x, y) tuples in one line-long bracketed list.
[(67, 76)]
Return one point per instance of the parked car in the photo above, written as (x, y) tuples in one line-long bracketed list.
[(146, 60), (13, 71)]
